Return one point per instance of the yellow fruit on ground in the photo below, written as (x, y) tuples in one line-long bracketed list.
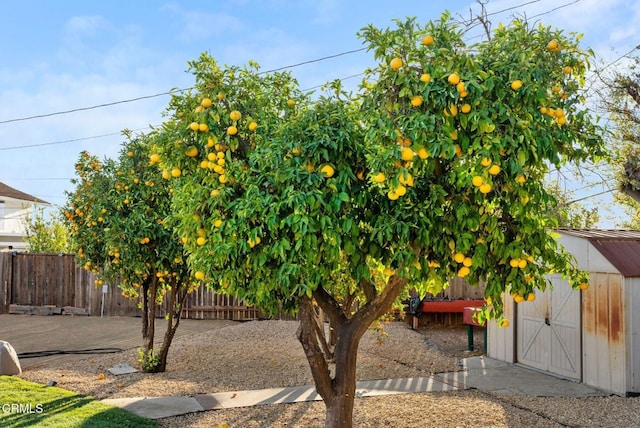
[(253, 126), (396, 63), (194, 126), (235, 115), (426, 78), (427, 40), (290, 102), (206, 102), (232, 130), (516, 84), (201, 240), (477, 181), (514, 263), (199, 275), (327, 170), (522, 263), (458, 257), (531, 297), (494, 170), (416, 101), (401, 190), (176, 172), (467, 261), (584, 286), (379, 177), (453, 78), (464, 271), (485, 188), (203, 127), (422, 153), (392, 195), (465, 108), (406, 154)]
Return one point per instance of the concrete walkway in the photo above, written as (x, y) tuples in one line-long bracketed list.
[(480, 373)]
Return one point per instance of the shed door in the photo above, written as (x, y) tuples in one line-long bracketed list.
[(548, 336)]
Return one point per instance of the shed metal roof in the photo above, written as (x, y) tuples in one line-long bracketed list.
[(619, 246)]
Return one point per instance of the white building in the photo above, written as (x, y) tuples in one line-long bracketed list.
[(15, 206)]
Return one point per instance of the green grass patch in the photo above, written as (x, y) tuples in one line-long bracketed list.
[(28, 404)]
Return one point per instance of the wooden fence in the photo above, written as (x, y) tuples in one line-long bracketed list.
[(53, 284)]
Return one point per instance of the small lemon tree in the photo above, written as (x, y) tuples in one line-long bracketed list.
[(434, 169), (116, 214)]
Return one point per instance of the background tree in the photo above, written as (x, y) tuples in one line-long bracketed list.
[(46, 234), (434, 169), (117, 217), (570, 213)]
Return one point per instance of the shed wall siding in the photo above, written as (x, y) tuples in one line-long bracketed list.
[(501, 340), (586, 255), (632, 299), (603, 333)]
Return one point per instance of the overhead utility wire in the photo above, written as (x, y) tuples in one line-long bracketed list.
[(173, 91)]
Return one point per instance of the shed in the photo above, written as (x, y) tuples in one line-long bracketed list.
[(590, 336)]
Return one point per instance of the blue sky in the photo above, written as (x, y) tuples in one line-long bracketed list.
[(64, 55)]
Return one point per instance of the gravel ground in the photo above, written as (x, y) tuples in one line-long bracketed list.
[(262, 354)]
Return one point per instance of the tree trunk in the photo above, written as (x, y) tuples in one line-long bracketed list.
[(178, 295), (338, 391)]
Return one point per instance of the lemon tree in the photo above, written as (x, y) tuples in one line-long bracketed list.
[(116, 215), (433, 169)]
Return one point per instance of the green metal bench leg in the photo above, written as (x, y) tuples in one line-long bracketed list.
[(470, 337)]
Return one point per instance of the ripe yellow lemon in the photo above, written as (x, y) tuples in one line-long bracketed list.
[(485, 162), (379, 177), (253, 126), (191, 152), (518, 298), (215, 193), (465, 108), (392, 195), (221, 96), (194, 126), (521, 179), (416, 101), (494, 170), (504, 323), (426, 78), (458, 257), (516, 84), (406, 154), (206, 102), (453, 110), (290, 102), (453, 78), (553, 45), (201, 240), (477, 181), (232, 130), (176, 172), (584, 286), (217, 223), (461, 87), (531, 297), (454, 135), (543, 110), (522, 263), (327, 170), (199, 275), (235, 115), (467, 261), (154, 158), (485, 188), (130, 154), (199, 109), (464, 271), (458, 149), (396, 63), (406, 179), (514, 263), (203, 127), (427, 40), (422, 153), (401, 190), (567, 70)]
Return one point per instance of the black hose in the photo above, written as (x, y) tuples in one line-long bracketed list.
[(37, 354)]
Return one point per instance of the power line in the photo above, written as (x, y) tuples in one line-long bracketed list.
[(173, 91)]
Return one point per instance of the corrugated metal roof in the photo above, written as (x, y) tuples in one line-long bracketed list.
[(620, 247), (10, 192)]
